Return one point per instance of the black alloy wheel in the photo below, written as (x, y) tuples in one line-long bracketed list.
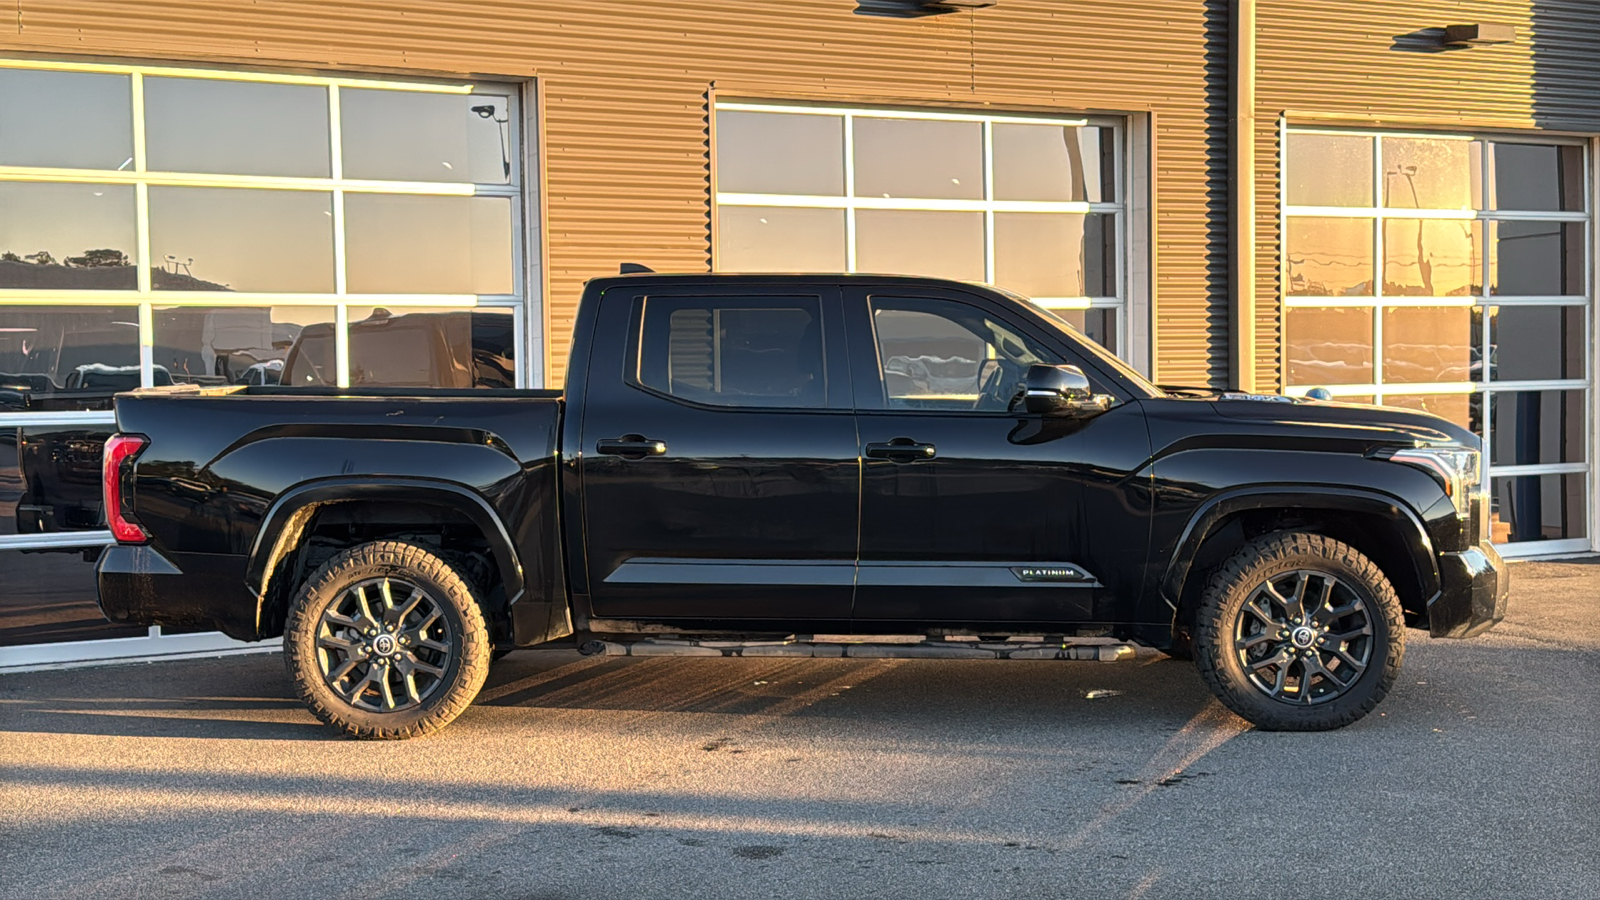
[(386, 641), (1299, 632)]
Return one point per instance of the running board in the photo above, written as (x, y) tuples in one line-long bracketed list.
[(810, 646)]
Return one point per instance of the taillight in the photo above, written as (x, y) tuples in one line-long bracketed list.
[(120, 448)]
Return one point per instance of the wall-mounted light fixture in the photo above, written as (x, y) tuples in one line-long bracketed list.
[(1479, 35)]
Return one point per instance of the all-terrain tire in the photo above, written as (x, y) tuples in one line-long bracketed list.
[(1235, 647), (418, 669)]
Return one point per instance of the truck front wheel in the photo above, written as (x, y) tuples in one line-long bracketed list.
[(1299, 632), (386, 642)]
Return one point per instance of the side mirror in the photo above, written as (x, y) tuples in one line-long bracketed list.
[(1061, 391)]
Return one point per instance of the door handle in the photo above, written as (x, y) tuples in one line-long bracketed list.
[(631, 446), (902, 450)]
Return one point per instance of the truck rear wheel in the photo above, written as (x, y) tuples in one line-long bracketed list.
[(386, 642), (1299, 632)]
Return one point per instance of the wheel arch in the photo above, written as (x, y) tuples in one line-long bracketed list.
[(295, 512), (1380, 526)]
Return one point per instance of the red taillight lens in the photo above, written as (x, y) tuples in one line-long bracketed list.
[(119, 449)]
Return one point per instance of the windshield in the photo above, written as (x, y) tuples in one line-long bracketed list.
[(1101, 354)]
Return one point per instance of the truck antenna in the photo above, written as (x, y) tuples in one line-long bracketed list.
[(636, 269)]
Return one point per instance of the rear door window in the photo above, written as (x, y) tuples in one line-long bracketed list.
[(727, 351)]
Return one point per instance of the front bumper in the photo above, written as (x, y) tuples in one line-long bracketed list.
[(1473, 587)]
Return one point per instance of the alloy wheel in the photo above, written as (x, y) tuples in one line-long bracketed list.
[(1304, 637), (384, 644)]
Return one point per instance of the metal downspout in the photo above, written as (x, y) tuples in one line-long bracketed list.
[(1242, 197)]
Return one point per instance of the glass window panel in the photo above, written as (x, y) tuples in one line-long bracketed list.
[(1329, 170), (67, 236), (1536, 342), (413, 347), (1431, 173), (918, 242), (417, 136), (1430, 344), (61, 358), (734, 352), (1537, 427), (231, 239), (230, 344), (1329, 257), (1465, 410), (1432, 258), (946, 355), (50, 479), (780, 153), (1096, 324), (918, 158), (1328, 345), (1056, 254), (774, 239), (235, 127), (1536, 177), (50, 597), (404, 244), (1536, 259), (1055, 162), (65, 120), (1540, 507)]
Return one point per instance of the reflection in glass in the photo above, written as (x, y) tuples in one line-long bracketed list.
[(780, 153), (404, 244), (1536, 177), (734, 352), (230, 344), (1328, 170), (1536, 259), (1536, 427), (1430, 344), (1431, 173), (65, 120), (1328, 257), (1328, 345), (50, 597), (50, 478), (1465, 410), (1541, 507), (1096, 324), (1431, 258), (917, 242), (57, 358), (235, 127), (233, 239), (1055, 254), (67, 236), (1535, 342), (918, 158), (774, 239), (421, 136), (1054, 162), (411, 347)]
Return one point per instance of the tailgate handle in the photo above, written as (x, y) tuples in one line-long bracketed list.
[(902, 450), (631, 446)]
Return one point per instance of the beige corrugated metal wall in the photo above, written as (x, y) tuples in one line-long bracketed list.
[(1380, 63), (626, 88)]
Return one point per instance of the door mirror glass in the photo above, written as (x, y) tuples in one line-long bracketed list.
[(1061, 391)]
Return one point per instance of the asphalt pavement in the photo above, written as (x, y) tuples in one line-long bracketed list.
[(732, 778)]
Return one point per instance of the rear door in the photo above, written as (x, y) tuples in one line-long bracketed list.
[(719, 455), (973, 510)]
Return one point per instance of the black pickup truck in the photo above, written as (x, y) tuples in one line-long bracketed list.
[(770, 456)]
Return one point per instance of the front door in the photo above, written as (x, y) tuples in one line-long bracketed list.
[(719, 469), (975, 512)]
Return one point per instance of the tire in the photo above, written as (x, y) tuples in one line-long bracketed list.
[(1312, 673), (386, 666)]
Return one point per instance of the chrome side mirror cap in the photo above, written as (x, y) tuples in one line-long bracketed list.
[(1061, 391)]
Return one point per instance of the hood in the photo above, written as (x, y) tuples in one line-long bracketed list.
[(1384, 423)]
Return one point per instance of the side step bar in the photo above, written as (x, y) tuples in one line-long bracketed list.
[(837, 646)]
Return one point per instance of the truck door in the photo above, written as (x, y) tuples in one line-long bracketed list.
[(719, 459), (971, 513)]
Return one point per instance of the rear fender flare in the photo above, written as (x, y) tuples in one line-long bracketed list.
[(1214, 511), (285, 522)]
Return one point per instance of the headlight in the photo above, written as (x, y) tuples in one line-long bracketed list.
[(1457, 468)]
